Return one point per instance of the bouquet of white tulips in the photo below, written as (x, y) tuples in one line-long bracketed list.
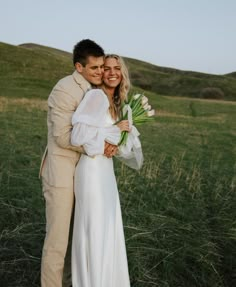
[(138, 111)]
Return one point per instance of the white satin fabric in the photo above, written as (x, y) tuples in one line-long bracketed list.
[(90, 126), (98, 246), (91, 130)]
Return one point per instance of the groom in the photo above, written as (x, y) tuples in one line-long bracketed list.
[(60, 157)]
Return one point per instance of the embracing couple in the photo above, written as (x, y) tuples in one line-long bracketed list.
[(78, 180)]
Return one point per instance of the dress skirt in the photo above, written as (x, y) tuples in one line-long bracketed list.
[(98, 247)]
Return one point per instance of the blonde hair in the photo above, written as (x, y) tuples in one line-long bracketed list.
[(121, 91)]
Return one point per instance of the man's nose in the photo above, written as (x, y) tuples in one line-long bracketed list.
[(100, 70)]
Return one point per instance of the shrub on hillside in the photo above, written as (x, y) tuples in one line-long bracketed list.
[(212, 93)]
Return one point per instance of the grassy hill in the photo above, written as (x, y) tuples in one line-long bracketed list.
[(29, 66), (178, 210), (26, 72), (168, 81)]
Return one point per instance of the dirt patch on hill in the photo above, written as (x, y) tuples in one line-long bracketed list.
[(29, 104)]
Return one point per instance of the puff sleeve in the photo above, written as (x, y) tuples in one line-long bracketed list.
[(90, 128)]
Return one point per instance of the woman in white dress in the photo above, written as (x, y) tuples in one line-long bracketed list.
[(98, 245)]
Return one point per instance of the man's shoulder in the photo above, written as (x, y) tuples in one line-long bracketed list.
[(67, 80), (72, 82), (67, 89)]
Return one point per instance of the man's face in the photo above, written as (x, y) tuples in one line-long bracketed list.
[(93, 70)]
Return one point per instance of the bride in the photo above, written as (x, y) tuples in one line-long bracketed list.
[(98, 246)]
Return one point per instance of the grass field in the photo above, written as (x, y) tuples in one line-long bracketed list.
[(178, 211)]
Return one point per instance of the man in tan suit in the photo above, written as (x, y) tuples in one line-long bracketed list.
[(60, 157)]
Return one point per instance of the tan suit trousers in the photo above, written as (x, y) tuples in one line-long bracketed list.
[(59, 208)]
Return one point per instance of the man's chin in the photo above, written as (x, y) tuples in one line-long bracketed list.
[(96, 83)]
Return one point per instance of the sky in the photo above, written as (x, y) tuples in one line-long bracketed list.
[(192, 35)]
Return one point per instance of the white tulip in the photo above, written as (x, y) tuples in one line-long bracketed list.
[(144, 100), (137, 96), (145, 107), (151, 113)]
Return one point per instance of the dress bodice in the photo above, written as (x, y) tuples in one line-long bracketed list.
[(109, 120)]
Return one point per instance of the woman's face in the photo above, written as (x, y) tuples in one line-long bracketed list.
[(112, 73)]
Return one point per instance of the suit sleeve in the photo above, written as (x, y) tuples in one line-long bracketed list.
[(61, 108)]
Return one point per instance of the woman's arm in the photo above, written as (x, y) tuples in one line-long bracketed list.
[(89, 124)]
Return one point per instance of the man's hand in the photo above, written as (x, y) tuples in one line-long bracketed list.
[(110, 150)]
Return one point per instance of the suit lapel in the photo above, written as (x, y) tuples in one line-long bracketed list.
[(80, 80)]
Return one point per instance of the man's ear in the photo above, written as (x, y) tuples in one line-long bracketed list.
[(78, 67)]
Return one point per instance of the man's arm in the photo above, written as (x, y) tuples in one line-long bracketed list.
[(62, 105), (64, 142)]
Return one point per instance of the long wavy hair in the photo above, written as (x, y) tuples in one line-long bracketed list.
[(122, 89)]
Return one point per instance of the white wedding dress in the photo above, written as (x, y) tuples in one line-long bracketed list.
[(98, 247)]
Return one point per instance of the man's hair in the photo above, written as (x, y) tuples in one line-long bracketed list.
[(84, 49)]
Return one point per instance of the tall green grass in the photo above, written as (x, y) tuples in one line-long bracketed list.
[(178, 211)]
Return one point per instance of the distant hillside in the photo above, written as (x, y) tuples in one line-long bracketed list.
[(233, 74), (32, 70), (46, 49), (174, 82)]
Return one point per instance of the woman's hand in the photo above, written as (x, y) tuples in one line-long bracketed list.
[(124, 126)]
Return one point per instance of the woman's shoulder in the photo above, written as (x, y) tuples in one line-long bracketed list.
[(96, 94)]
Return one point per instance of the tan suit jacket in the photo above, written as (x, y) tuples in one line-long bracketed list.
[(60, 157)]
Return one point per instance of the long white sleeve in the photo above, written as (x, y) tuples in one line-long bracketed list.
[(131, 153), (90, 128)]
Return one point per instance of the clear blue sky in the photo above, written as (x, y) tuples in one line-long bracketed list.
[(197, 35)]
